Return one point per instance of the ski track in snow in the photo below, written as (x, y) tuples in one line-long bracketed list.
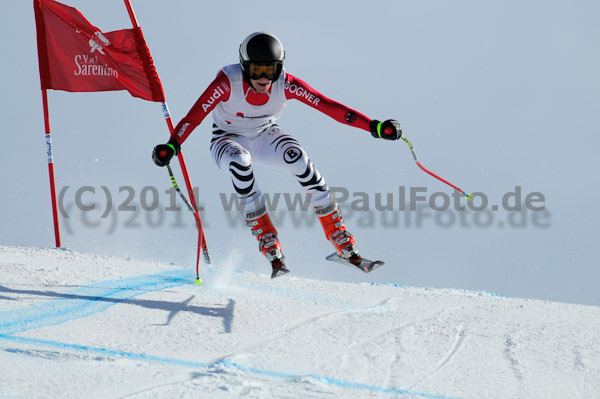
[(420, 348), (98, 297)]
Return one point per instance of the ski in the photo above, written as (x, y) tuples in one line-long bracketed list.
[(366, 265), (280, 271), (279, 268)]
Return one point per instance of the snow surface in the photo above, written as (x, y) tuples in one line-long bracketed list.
[(78, 325)]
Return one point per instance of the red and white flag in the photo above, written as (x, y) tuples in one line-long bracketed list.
[(76, 56)]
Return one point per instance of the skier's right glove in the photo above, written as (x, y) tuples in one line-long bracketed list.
[(162, 153), (388, 130)]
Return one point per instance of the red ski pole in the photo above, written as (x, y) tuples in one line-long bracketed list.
[(414, 154)]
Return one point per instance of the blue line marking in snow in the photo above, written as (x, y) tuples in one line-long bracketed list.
[(193, 364), (85, 301), (101, 351), (335, 382)]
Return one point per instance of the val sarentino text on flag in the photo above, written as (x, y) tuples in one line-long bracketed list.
[(76, 56)]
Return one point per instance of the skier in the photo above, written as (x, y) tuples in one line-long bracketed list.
[(245, 100)]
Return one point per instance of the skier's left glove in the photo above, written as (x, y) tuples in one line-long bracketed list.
[(162, 153), (388, 130)]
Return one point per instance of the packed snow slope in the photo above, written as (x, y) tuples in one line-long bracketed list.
[(78, 325)]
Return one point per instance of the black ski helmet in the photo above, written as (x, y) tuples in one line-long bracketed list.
[(261, 48)]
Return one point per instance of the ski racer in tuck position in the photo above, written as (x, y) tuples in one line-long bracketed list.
[(245, 100)]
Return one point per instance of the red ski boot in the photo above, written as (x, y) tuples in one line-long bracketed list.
[(268, 243), (331, 219)]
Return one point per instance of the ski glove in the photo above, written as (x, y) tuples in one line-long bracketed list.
[(162, 153), (388, 130)]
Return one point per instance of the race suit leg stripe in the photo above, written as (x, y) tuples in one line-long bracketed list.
[(231, 155), (278, 149)]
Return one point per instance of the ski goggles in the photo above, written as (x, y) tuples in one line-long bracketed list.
[(269, 71)]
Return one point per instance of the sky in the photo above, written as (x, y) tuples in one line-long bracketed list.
[(498, 98)]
